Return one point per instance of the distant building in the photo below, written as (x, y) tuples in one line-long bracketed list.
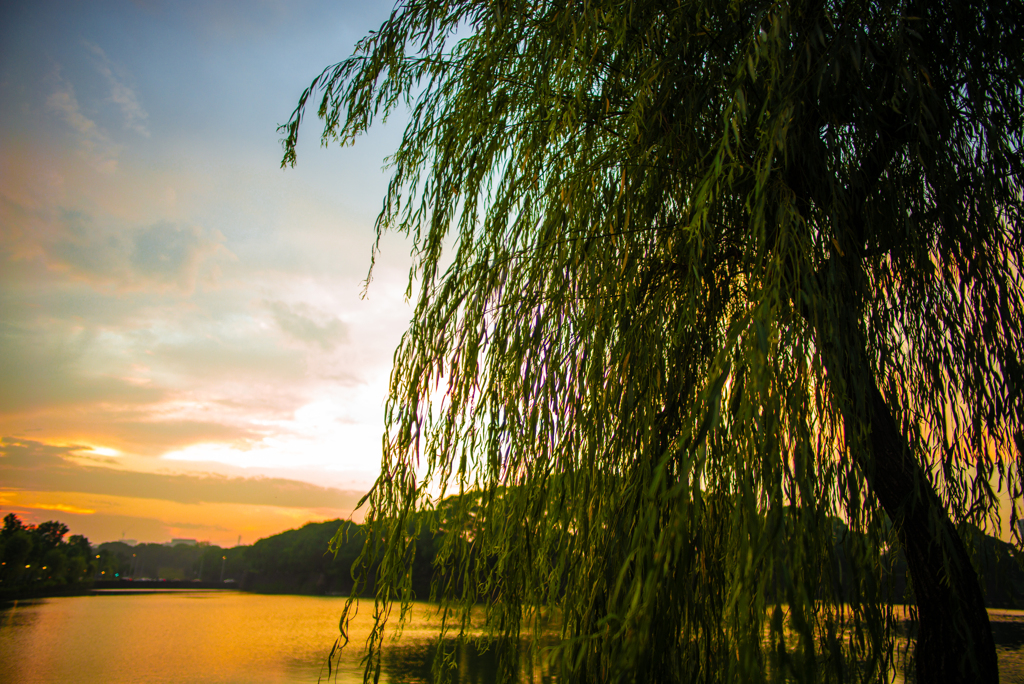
[(129, 542), (182, 542)]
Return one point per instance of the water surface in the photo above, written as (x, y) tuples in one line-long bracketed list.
[(227, 637), (211, 637)]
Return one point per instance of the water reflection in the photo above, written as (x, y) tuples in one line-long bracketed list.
[(469, 664), (413, 664), (216, 637), (1007, 632), (1007, 628), (231, 637)]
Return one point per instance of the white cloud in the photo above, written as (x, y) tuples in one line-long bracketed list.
[(159, 257), (94, 143), (93, 140), (340, 432), (306, 324), (120, 94)]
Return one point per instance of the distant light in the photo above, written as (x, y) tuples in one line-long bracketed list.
[(28, 566)]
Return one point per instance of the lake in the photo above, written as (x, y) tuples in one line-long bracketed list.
[(207, 637), (227, 637)]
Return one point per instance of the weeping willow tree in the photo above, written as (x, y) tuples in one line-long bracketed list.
[(699, 283)]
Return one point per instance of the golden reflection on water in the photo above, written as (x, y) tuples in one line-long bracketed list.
[(209, 637), (228, 637)]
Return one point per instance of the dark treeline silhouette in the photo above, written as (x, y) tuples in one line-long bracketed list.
[(293, 562), (38, 560), (199, 562), (998, 563)]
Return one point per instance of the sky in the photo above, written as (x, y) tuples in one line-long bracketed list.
[(184, 348)]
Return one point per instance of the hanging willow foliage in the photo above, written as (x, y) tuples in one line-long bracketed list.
[(700, 285)]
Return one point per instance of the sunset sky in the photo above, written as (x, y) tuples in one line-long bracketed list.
[(183, 347)]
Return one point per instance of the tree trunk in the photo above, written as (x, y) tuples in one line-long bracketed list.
[(954, 640)]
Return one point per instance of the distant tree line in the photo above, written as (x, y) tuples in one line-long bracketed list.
[(181, 562), (318, 558), (294, 562), (297, 561), (998, 564)]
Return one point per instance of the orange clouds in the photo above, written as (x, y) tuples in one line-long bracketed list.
[(40, 479), (108, 518)]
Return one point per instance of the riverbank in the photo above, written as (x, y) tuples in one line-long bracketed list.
[(23, 593), (112, 587)]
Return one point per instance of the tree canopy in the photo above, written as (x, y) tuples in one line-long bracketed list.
[(692, 280), (37, 558)]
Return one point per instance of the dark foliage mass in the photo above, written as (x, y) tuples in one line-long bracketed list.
[(299, 561), (199, 562), (38, 559), (318, 558), (308, 560)]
